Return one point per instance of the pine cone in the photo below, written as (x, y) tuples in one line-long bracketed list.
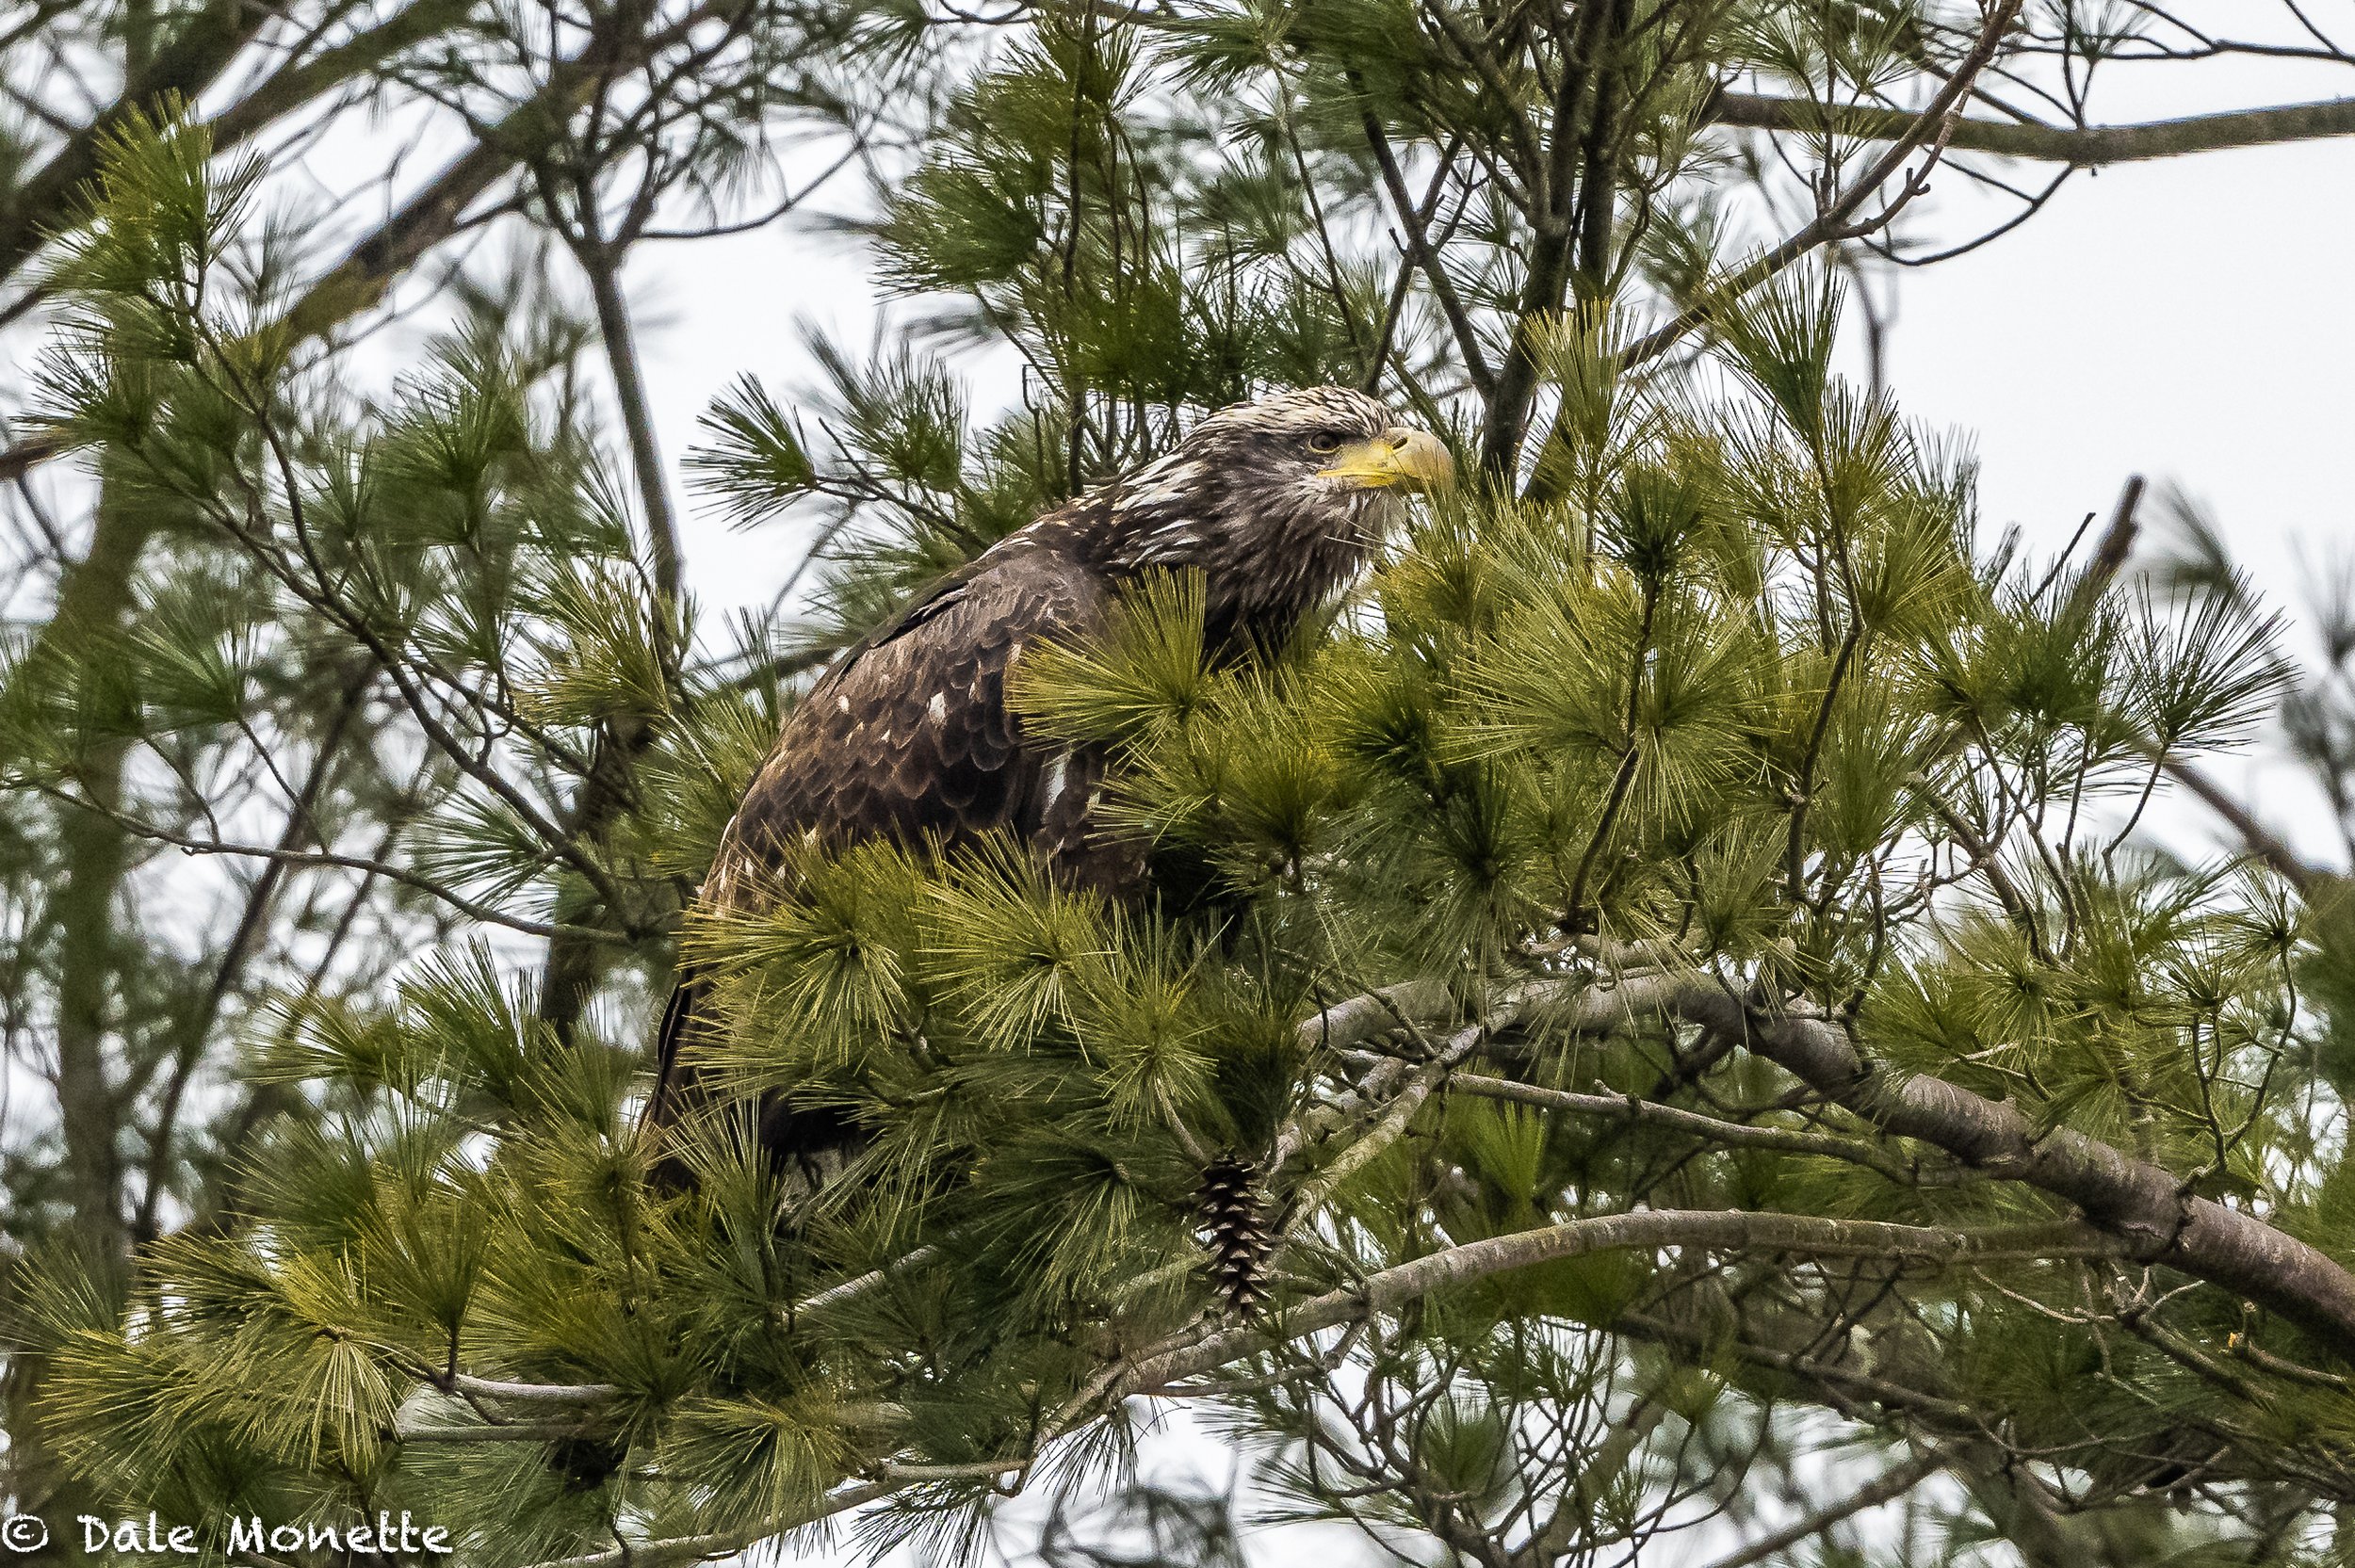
[(1228, 1204)]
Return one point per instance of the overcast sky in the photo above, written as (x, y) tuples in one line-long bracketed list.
[(2193, 321)]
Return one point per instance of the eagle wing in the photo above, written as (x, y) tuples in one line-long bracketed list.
[(908, 736)]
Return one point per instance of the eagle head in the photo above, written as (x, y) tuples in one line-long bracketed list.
[(1276, 503)]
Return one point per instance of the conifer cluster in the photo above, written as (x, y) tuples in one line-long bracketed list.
[(1665, 999)]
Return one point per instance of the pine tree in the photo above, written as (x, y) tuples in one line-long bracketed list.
[(1674, 1015)]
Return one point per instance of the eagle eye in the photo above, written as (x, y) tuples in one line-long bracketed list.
[(1327, 441)]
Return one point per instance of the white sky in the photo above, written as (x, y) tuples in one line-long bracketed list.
[(2193, 321)]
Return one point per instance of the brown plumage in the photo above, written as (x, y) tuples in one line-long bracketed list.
[(907, 735)]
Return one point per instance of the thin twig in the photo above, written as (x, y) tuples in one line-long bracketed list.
[(1928, 132), (1893, 1482)]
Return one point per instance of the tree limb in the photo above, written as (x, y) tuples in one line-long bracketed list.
[(1893, 1482), (1717, 1230), (2079, 146), (1211, 1347), (1714, 1129), (278, 854), (1419, 246), (2260, 840), (2141, 1203), (213, 36)]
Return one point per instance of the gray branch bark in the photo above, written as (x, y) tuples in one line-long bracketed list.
[(2080, 145), (2142, 1205)]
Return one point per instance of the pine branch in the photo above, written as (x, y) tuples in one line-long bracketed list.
[(322, 593), (1836, 219), (1714, 1129), (600, 258), (695, 1548), (521, 1431), (1419, 246), (303, 82), (1716, 1230), (2109, 558), (2079, 146), (1167, 1369), (2147, 1208), (1577, 139), (531, 1393), (439, 209), (187, 65), (473, 909), (1395, 1114), (609, 783), (1850, 1392), (195, 1031), (1988, 862), (853, 1289)]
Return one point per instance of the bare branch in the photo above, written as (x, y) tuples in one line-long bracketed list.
[(1838, 218), (1417, 241), (1893, 1482), (277, 854), (2079, 146), (2260, 840), (1715, 1129)]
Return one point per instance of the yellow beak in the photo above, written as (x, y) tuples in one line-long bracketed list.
[(1412, 460)]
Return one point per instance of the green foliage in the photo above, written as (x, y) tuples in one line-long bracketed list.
[(1728, 717), (1705, 699), (758, 460)]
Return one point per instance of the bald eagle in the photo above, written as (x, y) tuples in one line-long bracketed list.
[(907, 735)]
